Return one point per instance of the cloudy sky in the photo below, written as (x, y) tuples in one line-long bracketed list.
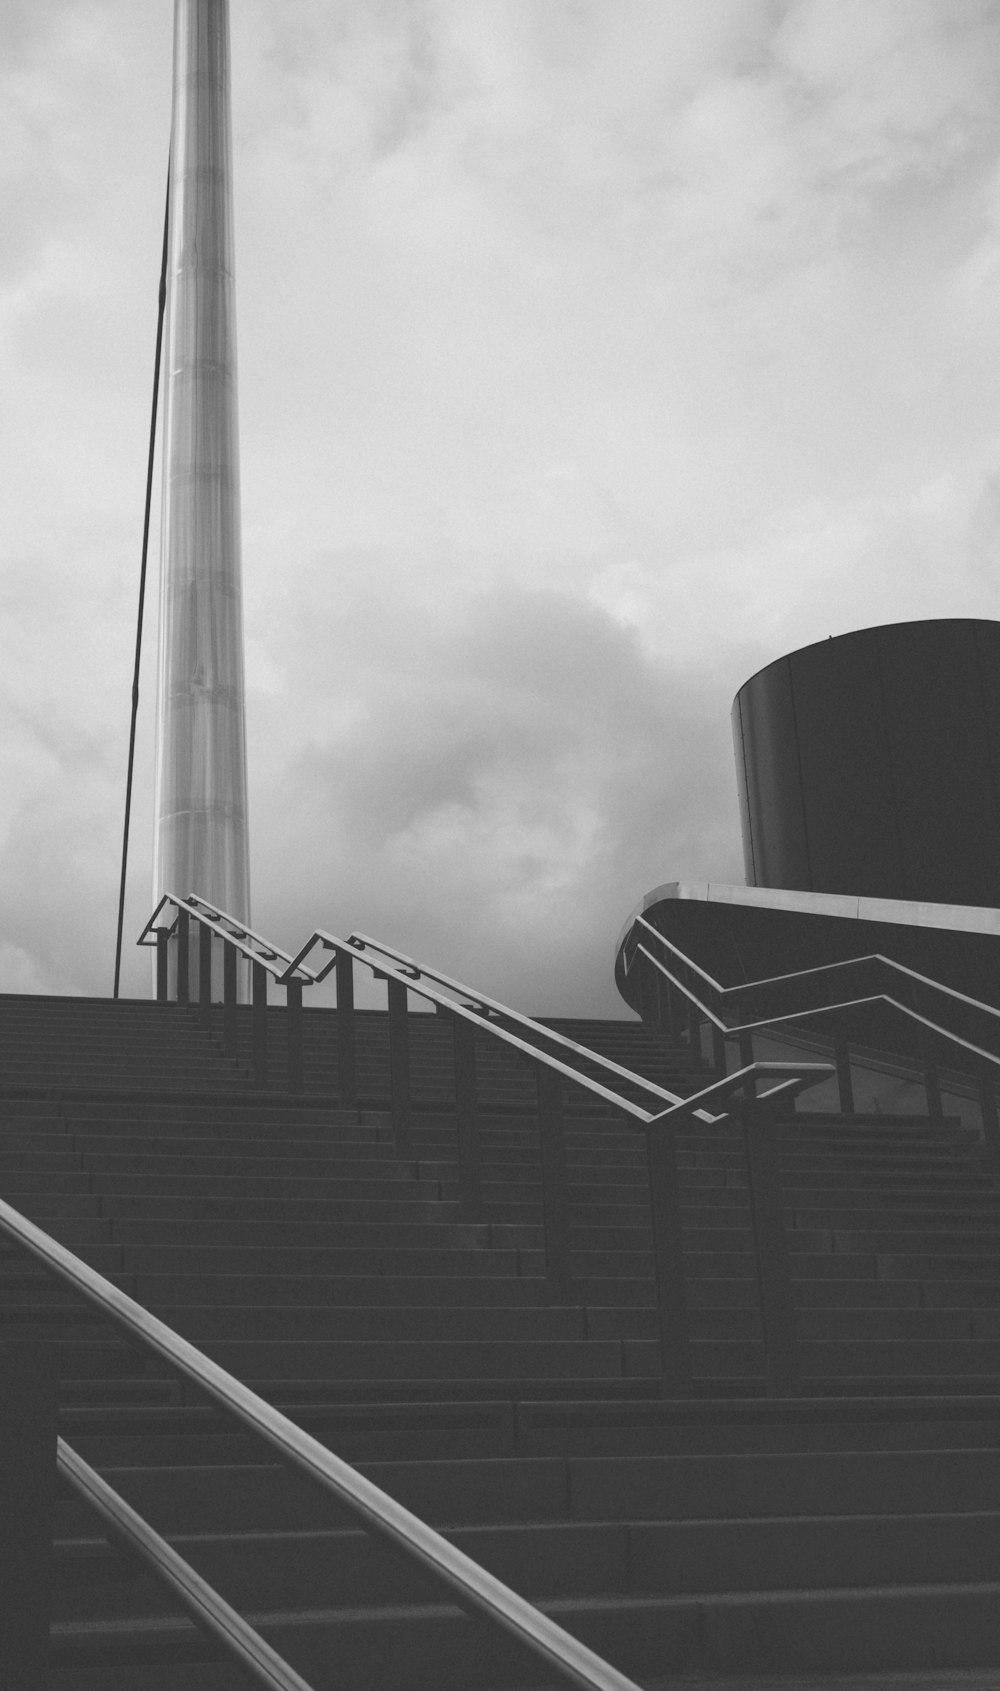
[(593, 353)]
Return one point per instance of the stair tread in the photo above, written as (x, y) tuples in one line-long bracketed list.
[(288, 1237)]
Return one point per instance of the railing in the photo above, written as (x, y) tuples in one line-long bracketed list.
[(473, 1014), (819, 988), (268, 961), (239, 943), (681, 995), (202, 1602), (536, 1033), (557, 1062), (570, 1660)]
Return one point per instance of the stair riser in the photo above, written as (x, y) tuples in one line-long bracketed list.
[(314, 1570), (287, 1237), (841, 1632)]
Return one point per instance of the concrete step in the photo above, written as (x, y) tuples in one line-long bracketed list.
[(929, 1218), (757, 1487), (412, 1323), (425, 1646), (289, 1237), (756, 1426), (304, 1569), (281, 1291)]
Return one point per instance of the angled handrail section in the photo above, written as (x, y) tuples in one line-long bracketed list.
[(489, 1008), (477, 1010), (471, 1584), (250, 944), (761, 1023), (822, 972), (751, 1097), (292, 972), (727, 1023), (427, 984), (719, 1006), (205, 1606), (680, 995), (172, 920)]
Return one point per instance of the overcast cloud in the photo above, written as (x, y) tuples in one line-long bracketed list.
[(592, 354)]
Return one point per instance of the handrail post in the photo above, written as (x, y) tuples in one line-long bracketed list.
[(259, 1024), (399, 1066), (293, 999), (771, 1256), (664, 1012), (347, 1067), (28, 1410), (932, 1087), (183, 953), (718, 1051), (555, 1193), (845, 1083), (648, 1005), (230, 1000), (694, 1033), (205, 975), (162, 965), (991, 1122), (470, 1194), (668, 1261)]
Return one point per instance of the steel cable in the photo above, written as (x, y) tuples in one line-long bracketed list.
[(142, 587)]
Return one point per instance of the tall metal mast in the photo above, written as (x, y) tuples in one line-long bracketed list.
[(201, 840)]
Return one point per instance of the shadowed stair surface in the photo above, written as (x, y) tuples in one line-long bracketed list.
[(728, 1539)]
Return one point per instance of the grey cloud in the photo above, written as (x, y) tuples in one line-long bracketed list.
[(680, 249), (491, 782), (25, 23), (499, 804), (57, 874)]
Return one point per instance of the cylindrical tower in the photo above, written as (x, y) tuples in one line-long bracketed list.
[(869, 764), (201, 838)]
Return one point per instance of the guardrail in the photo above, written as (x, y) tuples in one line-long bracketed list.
[(553, 1057), (681, 994), (200, 1600), (940, 1007), (535, 1032), (171, 922), (564, 1656)]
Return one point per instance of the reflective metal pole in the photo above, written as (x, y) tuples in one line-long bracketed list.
[(201, 840)]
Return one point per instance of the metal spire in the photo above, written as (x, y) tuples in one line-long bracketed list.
[(201, 841)]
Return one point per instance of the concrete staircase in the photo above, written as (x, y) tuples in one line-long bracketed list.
[(854, 1530)]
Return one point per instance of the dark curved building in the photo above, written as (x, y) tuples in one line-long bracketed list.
[(870, 764)]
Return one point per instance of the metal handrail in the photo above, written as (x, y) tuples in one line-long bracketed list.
[(823, 969), (758, 1025), (408, 973), (203, 1603), (482, 1001), (793, 1078), (331, 942), (253, 946), (468, 1020), (472, 1585)]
